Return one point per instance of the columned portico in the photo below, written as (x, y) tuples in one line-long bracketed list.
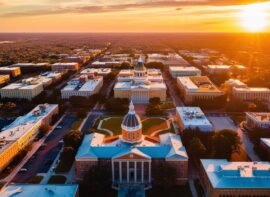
[(131, 172)]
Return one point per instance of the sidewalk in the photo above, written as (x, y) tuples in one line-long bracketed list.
[(35, 147)]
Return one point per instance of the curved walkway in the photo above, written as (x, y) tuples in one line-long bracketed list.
[(160, 130), (110, 133)]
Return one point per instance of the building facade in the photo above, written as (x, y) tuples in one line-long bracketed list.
[(181, 71), (82, 86), (139, 86), (192, 118), (21, 132), (12, 71), (197, 88), (252, 94), (260, 120), (132, 156), (68, 66), (26, 89), (221, 178)]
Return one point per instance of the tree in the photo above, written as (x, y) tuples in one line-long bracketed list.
[(44, 129), (73, 139), (155, 101), (224, 143), (196, 148), (97, 180), (68, 154), (164, 175), (81, 113), (117, 105)]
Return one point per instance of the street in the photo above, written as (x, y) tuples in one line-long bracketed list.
[(41, 161)]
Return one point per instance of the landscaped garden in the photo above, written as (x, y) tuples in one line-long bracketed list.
[(150, 125)]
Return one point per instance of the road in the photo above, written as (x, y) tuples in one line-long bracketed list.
[(173, 93), (41, 161)]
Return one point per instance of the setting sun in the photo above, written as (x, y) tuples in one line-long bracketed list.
[(254, 17)]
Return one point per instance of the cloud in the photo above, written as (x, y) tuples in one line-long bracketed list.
[(86, 8)]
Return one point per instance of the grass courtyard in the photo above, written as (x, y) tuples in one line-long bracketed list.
[(150, 125)]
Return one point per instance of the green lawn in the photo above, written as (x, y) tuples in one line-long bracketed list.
[(113, 124), (77, 124), (167, 105), (149, 125), (57, 179)]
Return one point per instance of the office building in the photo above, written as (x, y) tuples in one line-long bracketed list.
[(17, 135), (12, 71), (197, 88), (251, 94), (82, 86), (221, 178), (66, 66), (192, 118), (98, 71), (260, 120), (181, 71)]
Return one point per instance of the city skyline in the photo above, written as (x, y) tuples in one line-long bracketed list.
[(135, 16)]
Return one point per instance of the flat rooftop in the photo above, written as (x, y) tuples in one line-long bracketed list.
[(243, 175), (96, 70), (184, 68), (9, 68), (22, 86), (77, 85), (198, 84), (65, 64), (193, 116), (236, 82), (29, 64), (139, 84), (39, 190), (260, 116), (252, 89), (219, 66)]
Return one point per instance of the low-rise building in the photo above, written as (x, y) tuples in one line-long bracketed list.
[(260, 120), (197, 88), (19, 133), (4, 79), (251, 94), (192, 118), (99, 71), (180, 71), (221, 178), (66, 66), (82, 86), (31, 65), (223, 69), (12, 71), (171, 59), (231, 83), (49, 78), (40, 190), (27, 89)]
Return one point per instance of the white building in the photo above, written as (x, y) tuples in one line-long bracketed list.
[(30, 65), (221, 69), (68, 66), (82, 86), (197, 87), (26, 190), (138, 86), (258, 120), (171, 59), (251, 94), (181, 71), (192, 118), (19, 133), (12, 71), (27, 89), (98, 71)]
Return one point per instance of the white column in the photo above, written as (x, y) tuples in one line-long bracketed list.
[(135, 171), (142, 171), (120, 171), (149, 172), (127, 171), (112, 170)]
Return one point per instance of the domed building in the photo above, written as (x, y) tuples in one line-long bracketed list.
[(132, 157), (140, 84), (131, 126)]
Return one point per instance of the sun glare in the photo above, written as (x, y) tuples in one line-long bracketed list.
[(254, 17)]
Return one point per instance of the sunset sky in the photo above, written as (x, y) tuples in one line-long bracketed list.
[(127, 15)]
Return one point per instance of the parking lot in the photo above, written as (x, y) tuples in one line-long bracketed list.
[(221, 121), (41, 161)]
